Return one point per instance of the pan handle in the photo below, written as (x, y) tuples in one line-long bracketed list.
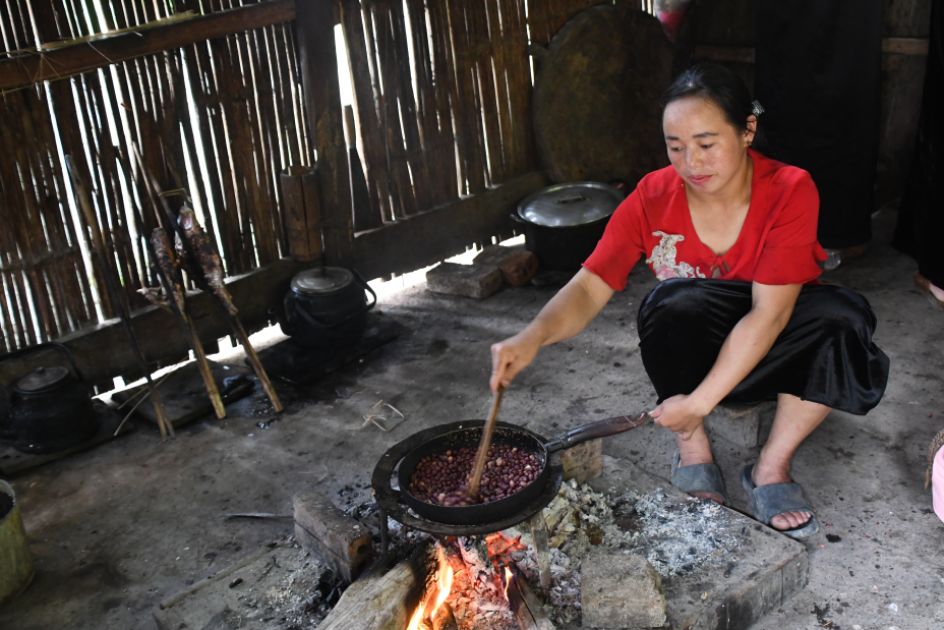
[(598, 429)]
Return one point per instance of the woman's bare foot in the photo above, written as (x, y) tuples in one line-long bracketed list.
[(763, 475), (936, 293), (697, 450)]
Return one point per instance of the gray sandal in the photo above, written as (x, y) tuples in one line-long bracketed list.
[(698, 478), (770, 500)]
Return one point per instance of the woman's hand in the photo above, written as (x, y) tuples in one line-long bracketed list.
[(681, 414), (511, 356)]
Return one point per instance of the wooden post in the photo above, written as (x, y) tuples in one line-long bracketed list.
[(302, 212), (314, 24)]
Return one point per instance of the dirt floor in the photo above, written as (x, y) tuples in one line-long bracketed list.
[(117, 529)]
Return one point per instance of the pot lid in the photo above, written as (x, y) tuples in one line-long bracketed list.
[(572, 204), (41, 379), (322, 280)]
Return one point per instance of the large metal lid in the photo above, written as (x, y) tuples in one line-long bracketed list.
[(571, 204), (42, 379), (322, 280)]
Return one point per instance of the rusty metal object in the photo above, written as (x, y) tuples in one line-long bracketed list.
[(596, 105)]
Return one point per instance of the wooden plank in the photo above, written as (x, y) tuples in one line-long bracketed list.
[(300, 207), (159, 332), (736, 54), (80, 56), (429, 237)]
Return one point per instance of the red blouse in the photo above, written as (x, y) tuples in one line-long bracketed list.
[(777, 243)]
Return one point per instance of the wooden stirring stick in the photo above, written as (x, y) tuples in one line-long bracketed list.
[(482, 454)]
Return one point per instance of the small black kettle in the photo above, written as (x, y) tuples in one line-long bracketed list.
[(51, 406), (326, 308)]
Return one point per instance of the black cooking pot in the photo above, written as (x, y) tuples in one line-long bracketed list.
[(51, 407), (562, 223), (326, 308), (469, 432)]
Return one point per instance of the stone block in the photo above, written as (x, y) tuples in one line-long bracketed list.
[(742, 425), (620, 591), (473, 281), (583, 462)]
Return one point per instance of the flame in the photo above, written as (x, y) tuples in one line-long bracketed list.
[(443, 580), (444, 576), (417, 618), (508, 576)]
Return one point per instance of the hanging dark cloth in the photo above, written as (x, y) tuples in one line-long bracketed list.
[(825, 354), (921, 213), (818, 75)]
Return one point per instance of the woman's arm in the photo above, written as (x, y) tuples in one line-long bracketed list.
[(565, 315), (746, 344)]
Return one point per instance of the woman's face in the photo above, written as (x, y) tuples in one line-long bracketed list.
[(706, 150)]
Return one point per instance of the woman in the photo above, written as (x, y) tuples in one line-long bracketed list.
[(737, 316)]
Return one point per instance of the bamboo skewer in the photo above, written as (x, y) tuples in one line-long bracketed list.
[(119, 299), (219, 293), (173, 289), (481, 455)]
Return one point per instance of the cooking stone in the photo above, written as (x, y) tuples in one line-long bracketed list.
[(596, 110), (757, 571)]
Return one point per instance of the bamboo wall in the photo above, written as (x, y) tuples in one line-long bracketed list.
[(219, 118), (441, 100)]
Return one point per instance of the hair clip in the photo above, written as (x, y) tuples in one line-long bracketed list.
[(756, 108)]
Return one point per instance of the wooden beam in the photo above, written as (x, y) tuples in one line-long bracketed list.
[(905, 46), (890, 45), (430, 236), (725, 54), (104, 352), (314, 32), (77, 56)]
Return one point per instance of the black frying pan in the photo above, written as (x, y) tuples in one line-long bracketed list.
[(469, 432)]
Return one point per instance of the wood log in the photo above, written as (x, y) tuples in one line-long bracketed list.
[(339, 540), (528, 610), (382, 602)]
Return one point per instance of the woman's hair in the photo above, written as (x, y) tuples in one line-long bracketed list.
[(717, 84)]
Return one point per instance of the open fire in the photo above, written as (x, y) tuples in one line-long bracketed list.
[(469, 588)]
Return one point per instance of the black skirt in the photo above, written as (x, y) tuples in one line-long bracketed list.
[(825, 354)]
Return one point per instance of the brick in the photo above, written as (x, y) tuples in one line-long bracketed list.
[(517, 265), (518, 269), (742, 425), (620, 591), (466, 280)]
